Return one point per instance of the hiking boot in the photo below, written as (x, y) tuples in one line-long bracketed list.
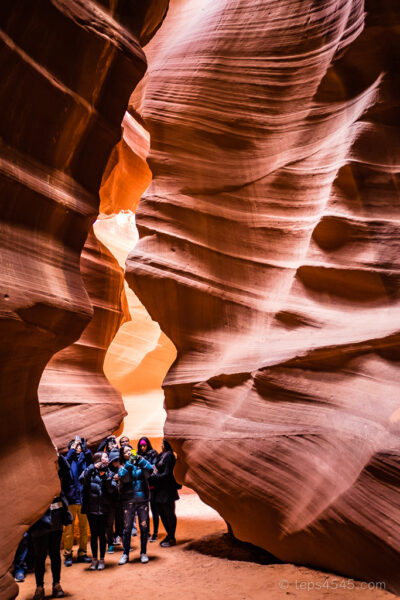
[(68, 561), (144, 558), (19, 576), (101, 565), (153, 538), (39, 593), (168, 543), (110, 549), (58, 592), (83, 558), (117, 541), (123, 560), (94, 564)]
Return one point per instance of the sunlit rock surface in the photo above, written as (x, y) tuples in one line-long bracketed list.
[(140, 354), (68, 69), (269, 254), (74, 394), (127, 174)]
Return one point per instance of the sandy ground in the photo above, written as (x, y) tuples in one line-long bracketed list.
[(204, 565)]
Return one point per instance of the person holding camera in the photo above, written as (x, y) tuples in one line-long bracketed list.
[(99, 485), (79, 458), (145, 449), (134, 489)]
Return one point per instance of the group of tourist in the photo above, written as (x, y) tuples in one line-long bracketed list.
[(105, 490)]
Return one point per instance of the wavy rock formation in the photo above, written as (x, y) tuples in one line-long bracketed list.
[(74, 394), (69, 67), (269, 254)]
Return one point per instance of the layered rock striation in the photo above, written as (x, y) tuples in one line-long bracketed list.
[(268, 253), (68, 69), (74, 394)]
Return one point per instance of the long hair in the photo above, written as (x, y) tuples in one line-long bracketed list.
[(149, 446), (167, 446), (122, 458)]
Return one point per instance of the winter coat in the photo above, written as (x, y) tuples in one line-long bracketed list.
[(78, 463), (53, 519), (165, 485), (98, 491), (133, 480)]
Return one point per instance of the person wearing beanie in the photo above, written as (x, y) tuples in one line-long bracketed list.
[(145, 449), (99, 485), (78, 457), (165, 492), (133, 474)]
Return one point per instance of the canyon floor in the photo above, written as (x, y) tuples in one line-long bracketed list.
[(204, 565)]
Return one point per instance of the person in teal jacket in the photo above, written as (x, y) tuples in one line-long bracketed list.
[(134, 489)]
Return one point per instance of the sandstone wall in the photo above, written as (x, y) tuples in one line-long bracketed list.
[(68, 68), (75, 396), (269, 255)]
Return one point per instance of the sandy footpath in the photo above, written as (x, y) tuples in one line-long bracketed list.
[(203, 566)]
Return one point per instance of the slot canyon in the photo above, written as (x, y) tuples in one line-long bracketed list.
[(200, 205)]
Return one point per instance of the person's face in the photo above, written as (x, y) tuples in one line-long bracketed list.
[(78, 449), (143, 446), (112, 444), (127, 452), (123, 441), (104, 459)]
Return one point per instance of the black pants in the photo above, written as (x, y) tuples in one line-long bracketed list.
[(168, 517), (130, 509), (97, 525), (110, 526), (119, 520), (49, 543), (155, 514)]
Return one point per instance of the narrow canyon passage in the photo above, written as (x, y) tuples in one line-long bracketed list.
[(259, 297)]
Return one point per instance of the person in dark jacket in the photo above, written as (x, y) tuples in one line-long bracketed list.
[(108, 444), (134, 490), (46, 539), (145, 449), (115, 511), (79, 458), (98, 488), (165, 492)]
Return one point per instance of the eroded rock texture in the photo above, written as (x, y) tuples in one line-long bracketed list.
[(68, 68), (74, 394), (269, 255)]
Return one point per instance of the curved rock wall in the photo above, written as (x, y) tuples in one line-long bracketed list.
[(68, 68), (74, 394), (269, 255)]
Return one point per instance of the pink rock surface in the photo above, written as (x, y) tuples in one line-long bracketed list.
[(269, 256), (74, 394), (68, 69)]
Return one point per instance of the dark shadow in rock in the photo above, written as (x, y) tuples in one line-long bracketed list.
[(228, 547)]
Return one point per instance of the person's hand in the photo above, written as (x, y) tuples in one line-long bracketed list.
[(155, 470), (116, 477), (98, 465)]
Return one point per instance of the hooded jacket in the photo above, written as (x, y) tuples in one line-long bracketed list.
[(98, 490), (78, 463), (133, 480)]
